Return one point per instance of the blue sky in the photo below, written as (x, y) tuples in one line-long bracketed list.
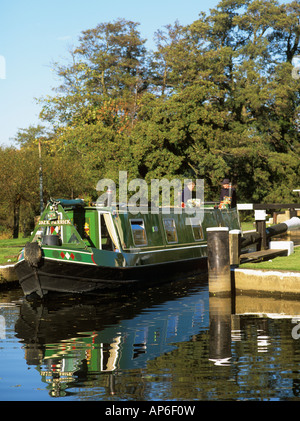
[(35, 33)]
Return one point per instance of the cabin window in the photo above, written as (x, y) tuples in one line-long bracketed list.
[(170, 230), (197, 230), (106, 241), (138, 232)]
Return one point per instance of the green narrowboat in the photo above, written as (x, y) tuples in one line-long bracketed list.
[(77, 248)]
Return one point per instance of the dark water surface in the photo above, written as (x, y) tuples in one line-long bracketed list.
[(169, 343)]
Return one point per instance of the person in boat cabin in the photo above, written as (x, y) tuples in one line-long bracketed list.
[(227, 195), (187, 192)]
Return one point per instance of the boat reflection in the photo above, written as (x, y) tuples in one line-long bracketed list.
[(71, 340), (175, 337)]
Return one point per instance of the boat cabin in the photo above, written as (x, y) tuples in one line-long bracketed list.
[(113, 229)]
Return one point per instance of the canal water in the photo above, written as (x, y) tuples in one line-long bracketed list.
[(169, 343)]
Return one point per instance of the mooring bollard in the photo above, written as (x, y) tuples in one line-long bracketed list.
[(235, 247), (218, 261), (260, 221)]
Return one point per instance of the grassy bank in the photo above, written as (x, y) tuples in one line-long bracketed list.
[(291, 263), (9, 250), (247, 226)]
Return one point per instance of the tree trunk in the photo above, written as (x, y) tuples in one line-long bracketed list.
[(16, 218)]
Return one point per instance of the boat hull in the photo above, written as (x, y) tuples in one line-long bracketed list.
[(76, 278)]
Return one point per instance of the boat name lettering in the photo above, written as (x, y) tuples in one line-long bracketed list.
[(60, 222)]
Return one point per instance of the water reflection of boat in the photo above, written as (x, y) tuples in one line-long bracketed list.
[(69, 341)]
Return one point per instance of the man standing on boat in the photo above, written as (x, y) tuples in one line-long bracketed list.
[(227, 195), (187, 193)]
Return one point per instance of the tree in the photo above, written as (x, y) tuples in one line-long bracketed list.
[(19, 185), (217, 98), (106, 67), (19, 180)]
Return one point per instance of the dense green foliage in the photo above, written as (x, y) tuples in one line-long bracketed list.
[(219, 97)]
